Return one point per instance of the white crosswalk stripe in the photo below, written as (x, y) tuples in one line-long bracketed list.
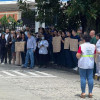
[(20, 73), (43, 73), (34, 74), (8, 73)]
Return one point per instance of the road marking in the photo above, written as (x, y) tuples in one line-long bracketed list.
[(25, 74), (8, 73), (17, 72), (44, 73), (33, 74)]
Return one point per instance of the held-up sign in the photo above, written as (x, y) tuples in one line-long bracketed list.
[(19, 46), (56, 44), (67, 43), (74, 45)]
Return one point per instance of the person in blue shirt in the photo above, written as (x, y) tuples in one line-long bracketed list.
[(31, 47)]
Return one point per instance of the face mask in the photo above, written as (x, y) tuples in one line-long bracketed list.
[(42, 38)]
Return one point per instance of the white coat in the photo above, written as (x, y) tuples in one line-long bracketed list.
[(43, 45), (87, 59)]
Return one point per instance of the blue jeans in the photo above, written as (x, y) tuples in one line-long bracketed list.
[(86, 74), (29, 55)]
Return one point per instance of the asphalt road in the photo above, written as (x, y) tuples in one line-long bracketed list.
[(41, 84)]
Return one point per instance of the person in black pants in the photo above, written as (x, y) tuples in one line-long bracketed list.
[(3, 47), (8, 46), (75, 60)]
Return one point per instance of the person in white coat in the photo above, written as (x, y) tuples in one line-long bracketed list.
[(85, 55), (43, 51), (98, 55)]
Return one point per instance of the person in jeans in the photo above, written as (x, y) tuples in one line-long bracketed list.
[(85, 55), (23, 54), (14, 39), (31, 47)]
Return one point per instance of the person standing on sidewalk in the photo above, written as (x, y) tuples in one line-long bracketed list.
[(73, 53), (85, 55), (23, 54), (3, 47), (93, 41), (8, 46), (31, 47), (93, 38), (43, 52), (98, 55), (14, 39)]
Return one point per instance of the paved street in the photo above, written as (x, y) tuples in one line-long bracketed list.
[(40, 84)]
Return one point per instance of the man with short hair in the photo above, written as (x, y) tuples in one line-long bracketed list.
[(31, 47), (8, 46), (93, 41), (93, 38)]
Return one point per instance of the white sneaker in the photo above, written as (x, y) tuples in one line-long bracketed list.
[(75, 69), (2, 63)]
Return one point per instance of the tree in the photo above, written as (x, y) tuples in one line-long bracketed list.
[(4, 22), (12, 21), (85, 11), (28, 15), (50, 12)]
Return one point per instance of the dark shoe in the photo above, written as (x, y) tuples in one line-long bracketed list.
[(30, 68), (23, 67), (39, 66), (90, 96), (83, 96)]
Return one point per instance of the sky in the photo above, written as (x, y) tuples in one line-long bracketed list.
[(16, 0), (7, 0)]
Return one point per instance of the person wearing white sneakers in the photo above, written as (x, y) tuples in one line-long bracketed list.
[(85, 55)]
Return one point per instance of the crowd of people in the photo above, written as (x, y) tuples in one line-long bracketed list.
[(39, 47)]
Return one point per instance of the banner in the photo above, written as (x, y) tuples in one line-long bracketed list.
[(56, 44), (74, 45), (67, 43), (19, 46)]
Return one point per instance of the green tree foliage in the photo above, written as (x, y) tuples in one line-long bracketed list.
[(85, 11), (76, 13), (8, 22), (50, 11), (4, 21), (28, 16)]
